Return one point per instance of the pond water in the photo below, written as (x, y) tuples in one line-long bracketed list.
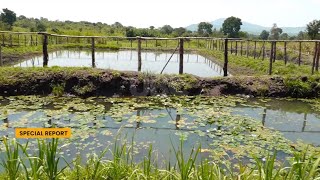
[(224, 126), (127, 60)]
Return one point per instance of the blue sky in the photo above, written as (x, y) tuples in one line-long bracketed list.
[(144, 13)]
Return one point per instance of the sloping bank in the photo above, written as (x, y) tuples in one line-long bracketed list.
[(97, 82)]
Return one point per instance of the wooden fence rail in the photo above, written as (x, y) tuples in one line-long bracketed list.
[(232, 45)]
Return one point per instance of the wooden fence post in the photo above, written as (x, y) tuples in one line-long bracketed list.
[(212, 44), (181, 56), (93, 52), (317, 59), (299, 60), (247, 48), (139, 53), (236, 47), (25, 40), (131, 42), (241, 49), (274, 51), (1, 63), (3, 39), (255, 50), (10, 40), (285, 52), (45, 50), (271, 58), (37, 40), (314, 57), (231, 48), (216, 44), (18, 39), (263, 50), (225, 66)]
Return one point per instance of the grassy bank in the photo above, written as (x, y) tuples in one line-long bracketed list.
[(95, 82), (47, 164), (241, 65)]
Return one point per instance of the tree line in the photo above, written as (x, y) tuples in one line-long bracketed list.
[(231, 28)]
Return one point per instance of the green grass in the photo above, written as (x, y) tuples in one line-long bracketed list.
[(241, 65), (44, 165)]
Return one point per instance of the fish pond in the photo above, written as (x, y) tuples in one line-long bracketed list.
[(127, 60), (230, 128)]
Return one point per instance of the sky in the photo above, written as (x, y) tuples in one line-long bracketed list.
[(177, 13)]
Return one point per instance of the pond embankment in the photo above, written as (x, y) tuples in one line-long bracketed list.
[(98, 82)]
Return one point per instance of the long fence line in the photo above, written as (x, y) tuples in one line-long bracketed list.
[(236, 46)]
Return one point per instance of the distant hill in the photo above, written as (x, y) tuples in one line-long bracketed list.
[(249, 27)]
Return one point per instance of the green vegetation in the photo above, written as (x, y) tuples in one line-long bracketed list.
[(7, 18), (231, 27), (303, 166), (241, 65), (58, 90), (275, 32), (239, 148), (90, 81), (264, 35), (313, 29), (205, 29)]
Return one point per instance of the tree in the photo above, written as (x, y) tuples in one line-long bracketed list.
[(130, 31), (204, 29), (264, 35), (179, 31), (231, 27), (117, 25), (313, 29), (275, 32), (166, 29), (41, 27), (284, 36), (301, 36), (8, 17), (151, 27), (243, 34)]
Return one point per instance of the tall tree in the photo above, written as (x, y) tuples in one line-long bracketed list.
[(166, 29), (275, 32), (231, 27), (7, 16), (313, 29), (204, 29), (264, 35)]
